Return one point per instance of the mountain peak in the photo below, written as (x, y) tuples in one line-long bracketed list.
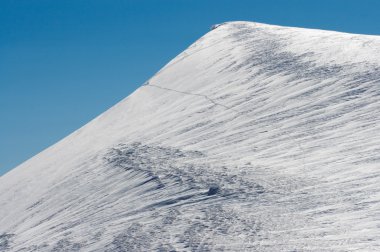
[(256, 137)]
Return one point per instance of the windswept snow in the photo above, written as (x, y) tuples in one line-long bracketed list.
[(255, 138)]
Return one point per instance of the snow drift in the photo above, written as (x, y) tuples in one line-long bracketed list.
[(255, 138)]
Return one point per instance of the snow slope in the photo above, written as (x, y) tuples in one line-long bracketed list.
[(255, 138)]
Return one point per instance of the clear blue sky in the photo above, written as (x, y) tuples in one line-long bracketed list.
[(63, 62)]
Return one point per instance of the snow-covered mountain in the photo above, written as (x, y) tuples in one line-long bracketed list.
[(255, 138)]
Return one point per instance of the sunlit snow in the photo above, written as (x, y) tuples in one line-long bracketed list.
[(255, 138)]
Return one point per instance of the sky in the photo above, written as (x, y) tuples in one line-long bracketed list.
[(64, 62)]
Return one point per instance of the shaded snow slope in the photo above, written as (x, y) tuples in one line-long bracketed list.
[(255, 138)]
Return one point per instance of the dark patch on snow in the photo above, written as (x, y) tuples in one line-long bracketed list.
[(214, 189), (5, 241), (65, 245), (213, 27), (162, 166)]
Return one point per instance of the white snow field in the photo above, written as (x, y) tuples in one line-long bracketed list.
[(255, 138)]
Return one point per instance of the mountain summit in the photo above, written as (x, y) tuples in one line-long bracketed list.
[(255, 138)]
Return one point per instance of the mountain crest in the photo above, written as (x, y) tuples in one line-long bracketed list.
[(255, 138)]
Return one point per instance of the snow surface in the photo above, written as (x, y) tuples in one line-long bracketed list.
[(255, 138)]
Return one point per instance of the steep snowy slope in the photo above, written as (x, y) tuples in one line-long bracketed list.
[(255, 138)]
